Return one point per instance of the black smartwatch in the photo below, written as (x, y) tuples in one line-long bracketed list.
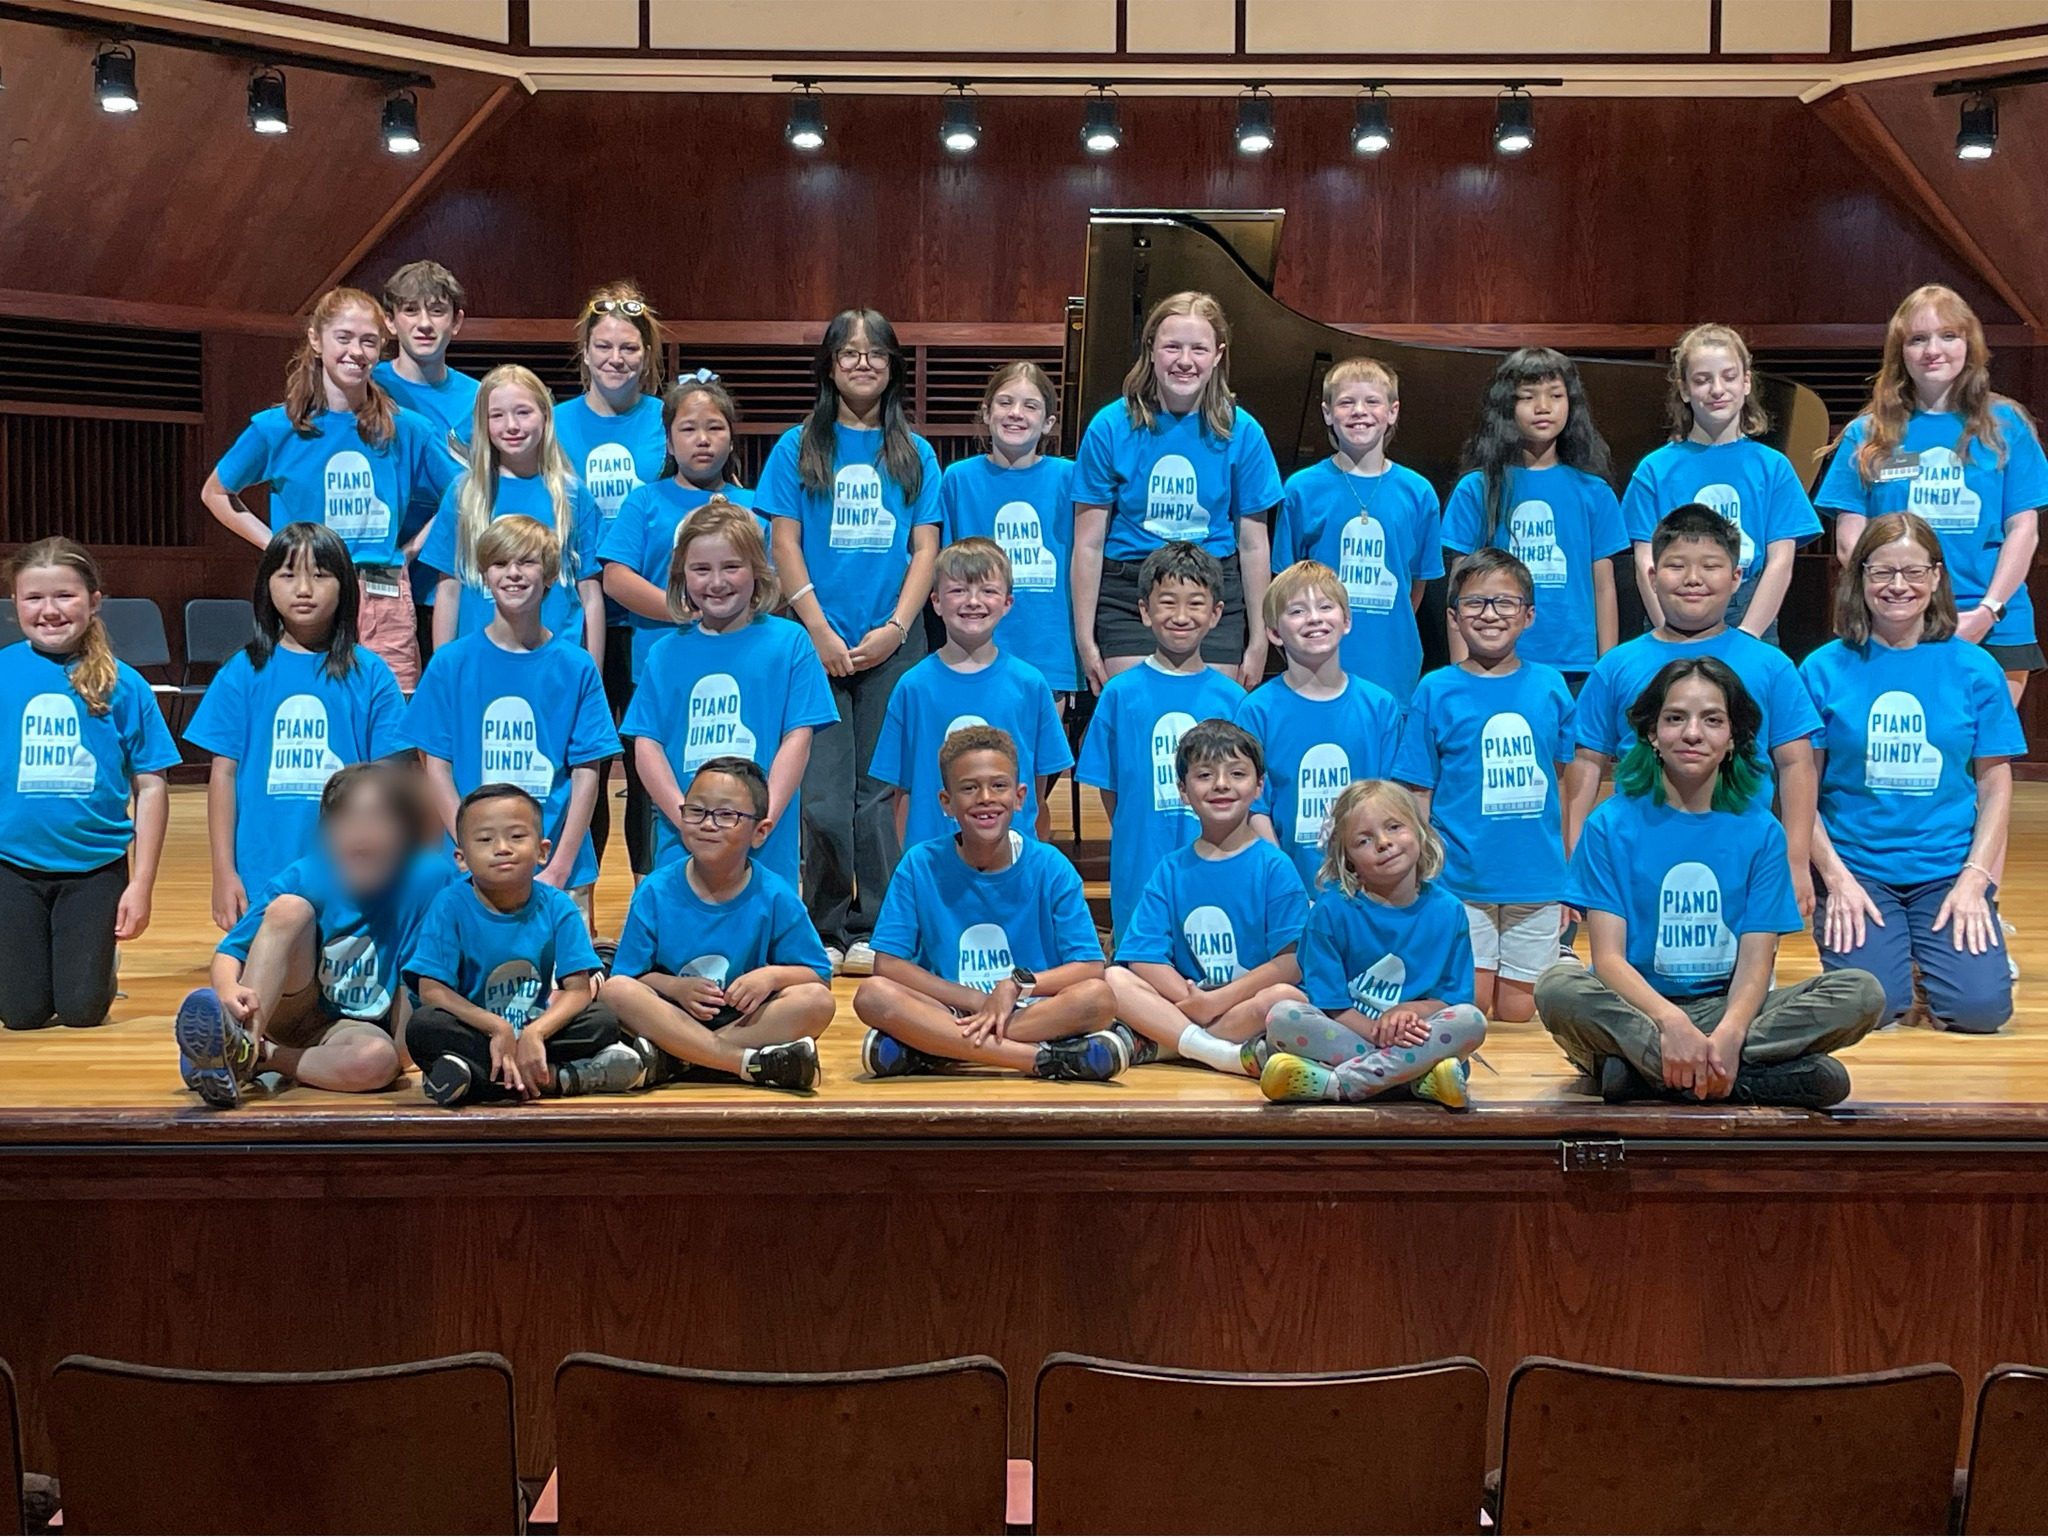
[(1025, 979), (1997, 609)]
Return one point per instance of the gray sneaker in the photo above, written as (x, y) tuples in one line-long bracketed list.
[(612, 1072)]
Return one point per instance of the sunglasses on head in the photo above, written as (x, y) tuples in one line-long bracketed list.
[(618, 307)]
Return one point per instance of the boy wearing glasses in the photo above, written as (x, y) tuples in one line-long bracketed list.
[(1695, 557), (1485, 746), (718, 966)]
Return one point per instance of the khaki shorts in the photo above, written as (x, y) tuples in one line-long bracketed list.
[(305, 1020)]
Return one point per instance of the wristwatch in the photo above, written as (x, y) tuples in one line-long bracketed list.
[(1025, 979), (1997, 609)]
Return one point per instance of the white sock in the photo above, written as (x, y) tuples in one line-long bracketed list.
[(1197, 1044)]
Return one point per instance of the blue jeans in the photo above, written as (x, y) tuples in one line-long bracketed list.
[(1963, 992)]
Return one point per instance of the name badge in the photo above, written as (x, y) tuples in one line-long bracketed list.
[(378, 581), (1898, 467)]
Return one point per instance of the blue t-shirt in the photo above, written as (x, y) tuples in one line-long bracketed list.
[(450, 405), (1559, 522), (613, 455), (1626, 671), (1212, 920), (670, 929), (1486, 747), (1900, 728), (1129, 752), (643, 540), (856, 538), (363, 938), (1380, 534), (1176, 482), (1966, 500), (1750, 484), (72, 771), (524, 718), (508, 964), (932, 700), (1030, 513), (562, 610), (288, 727), (972, 927), (1360, 954), (1314, 749), (333, 476), (704, 695), (1688, 885)]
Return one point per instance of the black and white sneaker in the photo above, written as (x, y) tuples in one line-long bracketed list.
[(1812, 1083), (1099, 1055), (782, 1065), (448, 1080)]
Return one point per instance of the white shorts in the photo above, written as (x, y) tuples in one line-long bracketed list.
[(1516, 940)]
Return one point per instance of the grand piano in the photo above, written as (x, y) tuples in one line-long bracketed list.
[(1278, 358)]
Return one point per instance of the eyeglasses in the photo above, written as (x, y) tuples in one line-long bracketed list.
[(1506, 605), (1912, 576), (721, 818), (853, 357), (617, 307)]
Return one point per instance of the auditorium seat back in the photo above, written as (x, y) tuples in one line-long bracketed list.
[(215, 630), (1126, 1449), (1599, 1450), (414, 1448), (11, 1505), (642, 1448), (2008, 1491)]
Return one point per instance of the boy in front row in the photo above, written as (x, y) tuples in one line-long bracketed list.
[(719, 966), (1210, 947), (505, 974), (984, 951)]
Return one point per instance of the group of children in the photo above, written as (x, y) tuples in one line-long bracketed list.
[(1328, 882)]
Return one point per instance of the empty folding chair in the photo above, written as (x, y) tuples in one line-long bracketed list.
[(215, 630), (647, 1449), (13, 1516), (10, 627), (1599, 1450), (2008, 1491), (413, 1448), (1121, 1449)]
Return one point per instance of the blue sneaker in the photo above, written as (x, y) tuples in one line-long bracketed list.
[(883, 1057), (216, 1057), (1099, 1055)]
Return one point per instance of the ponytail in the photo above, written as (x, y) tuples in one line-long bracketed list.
[(92, 670)]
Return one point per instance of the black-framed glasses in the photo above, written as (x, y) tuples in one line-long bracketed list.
[(1912, 576), (854, 357), (1508, 606), (723, 819), (634, 307)]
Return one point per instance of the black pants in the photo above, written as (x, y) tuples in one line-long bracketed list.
[(618, 694), (433, 1031), (57, 931)]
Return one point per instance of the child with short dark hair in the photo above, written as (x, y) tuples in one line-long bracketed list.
[(1129, 753), (718, 965), (505, 975), (423, 306), (1485, 746), (1210, 949), (968, 682), (307, 984), (984, 948)]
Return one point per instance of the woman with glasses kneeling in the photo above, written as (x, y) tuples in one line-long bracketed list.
[(1918, 733)]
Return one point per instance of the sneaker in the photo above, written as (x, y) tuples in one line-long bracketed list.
[(782, 1065), (1100, 1055), (1619, 1082), (607, 954), (837, 959), (883, 1057), (1288, 1078), (1139, 1050), (1445, 1085), (612, 1072), (859, 961), (1254, 1055), (216, 1056), (1814, 1082), (448, 1080)]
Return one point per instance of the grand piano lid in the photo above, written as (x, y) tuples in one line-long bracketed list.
[(1278, 356)]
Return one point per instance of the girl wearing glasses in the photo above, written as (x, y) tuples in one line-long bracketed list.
[(1918, 734), (613, 437), (1936, 441), (854, 496)]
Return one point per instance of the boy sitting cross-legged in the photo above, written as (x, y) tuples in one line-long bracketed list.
[(984, 951), (718, 965), (1210, 948)]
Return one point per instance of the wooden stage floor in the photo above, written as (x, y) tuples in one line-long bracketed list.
[(118, 1083)]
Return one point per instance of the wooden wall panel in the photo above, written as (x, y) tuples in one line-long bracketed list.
[(1628, 209)]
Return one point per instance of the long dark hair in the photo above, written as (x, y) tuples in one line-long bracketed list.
[(329, 555), (1495, 446), (1738, 778), (815, 450)]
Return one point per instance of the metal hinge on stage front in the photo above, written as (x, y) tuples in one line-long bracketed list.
[(1590, 1156)]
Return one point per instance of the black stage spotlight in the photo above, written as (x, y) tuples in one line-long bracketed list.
[(806, 130), (113, 78), (1513, 129), (402, 123), (1371, 131), (1100, 130), (267, 112), (1254, 122), (960, 127), (1977, 136)]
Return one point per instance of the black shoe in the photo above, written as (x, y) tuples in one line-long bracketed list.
[(782, 1065), (1619, 1082), (1099, 1055), (1138, 1049), (448, 1080), (607, 955), (1814, 1083)]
